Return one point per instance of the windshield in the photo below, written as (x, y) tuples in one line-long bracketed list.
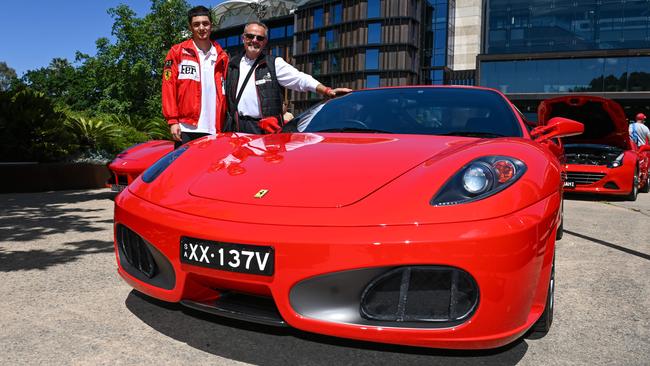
[(428, 111)]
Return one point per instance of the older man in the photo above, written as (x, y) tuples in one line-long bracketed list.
[(255, 85)]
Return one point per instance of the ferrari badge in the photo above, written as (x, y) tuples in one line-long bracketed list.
[(168, 74), (261, 193)]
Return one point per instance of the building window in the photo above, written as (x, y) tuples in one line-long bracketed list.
[(233, 41), (336, 14), (372, 59), (331, 38), (374, 33), (437, 77), (318, 17), (313, 42), (290, 30), (372, 81), (335, 63), (374, 9), (277, 32), (222, 42)]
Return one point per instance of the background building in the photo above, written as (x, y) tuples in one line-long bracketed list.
[(351, 43), (533, 50)]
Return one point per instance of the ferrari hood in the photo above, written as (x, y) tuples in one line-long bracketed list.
[(311, 170), (604, 119), (155, 148)]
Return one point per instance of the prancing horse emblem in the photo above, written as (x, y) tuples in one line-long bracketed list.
[(261, 193)]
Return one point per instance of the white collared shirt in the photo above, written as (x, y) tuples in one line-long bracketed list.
[(288, 76), (208, 116)]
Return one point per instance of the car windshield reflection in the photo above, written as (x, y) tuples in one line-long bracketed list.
[(427, 111)]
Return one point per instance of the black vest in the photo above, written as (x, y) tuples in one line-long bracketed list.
[(269, 92)]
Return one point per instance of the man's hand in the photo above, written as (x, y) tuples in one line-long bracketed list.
[(175, 130), (269, 124), (339, 92)]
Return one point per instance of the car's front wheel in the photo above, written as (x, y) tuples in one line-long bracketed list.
[(635, 187), (543, 324)]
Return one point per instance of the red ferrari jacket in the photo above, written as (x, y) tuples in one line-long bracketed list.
[(181, 84)]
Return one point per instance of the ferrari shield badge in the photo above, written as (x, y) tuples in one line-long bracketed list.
[(168, 74), (261, 193)]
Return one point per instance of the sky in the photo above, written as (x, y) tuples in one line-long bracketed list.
[(35, 32)]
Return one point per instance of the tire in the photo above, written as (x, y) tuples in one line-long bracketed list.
[(646, 186), (635, 188), (543, 324)]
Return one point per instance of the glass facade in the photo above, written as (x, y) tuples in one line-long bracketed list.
[(516, 26), (372, 81), (372, 59), (318, 17), (439, 50), (331, 38), (313, 42), (613, 74), (374, 33), (336, 13), (374, 10)]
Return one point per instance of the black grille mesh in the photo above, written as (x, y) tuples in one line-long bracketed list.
[(135, 251), (584, 178), (420, 293)]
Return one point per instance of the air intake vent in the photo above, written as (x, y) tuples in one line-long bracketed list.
[(415, 294), (584, 178), (135, 251)]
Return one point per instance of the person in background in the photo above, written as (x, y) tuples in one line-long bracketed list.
[(255, 85), (639, 132), (193, 98), (286, 115)]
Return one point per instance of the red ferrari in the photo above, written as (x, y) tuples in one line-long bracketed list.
[(130, 163), (423, 216), (604, 159)]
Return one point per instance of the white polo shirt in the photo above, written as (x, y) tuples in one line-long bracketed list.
[(288, 76), (208, 114)]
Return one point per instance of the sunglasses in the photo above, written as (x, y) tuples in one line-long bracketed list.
[(251, 36)]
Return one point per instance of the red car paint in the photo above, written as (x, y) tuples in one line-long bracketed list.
[(130, 163), (346, 201), (605, 124)]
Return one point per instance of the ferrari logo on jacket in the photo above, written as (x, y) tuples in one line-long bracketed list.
[(261, 193)]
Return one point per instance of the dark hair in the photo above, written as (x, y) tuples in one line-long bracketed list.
[(266, 29), (198, 11)]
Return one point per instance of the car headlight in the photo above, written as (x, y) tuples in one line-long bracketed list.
[(158, 167), (617, 162), (480, 178)]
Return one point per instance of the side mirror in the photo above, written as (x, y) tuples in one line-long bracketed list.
[(644, 148), (557, 127)]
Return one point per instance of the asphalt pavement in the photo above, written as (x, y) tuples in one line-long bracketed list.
[(62, 302)]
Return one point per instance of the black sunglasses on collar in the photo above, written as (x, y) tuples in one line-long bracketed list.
[(258, 37)]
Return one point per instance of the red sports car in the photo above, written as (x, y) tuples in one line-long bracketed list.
[(604, 159), (130, 163), (422, 216)]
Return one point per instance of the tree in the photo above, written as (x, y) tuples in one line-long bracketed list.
[(7, 76)]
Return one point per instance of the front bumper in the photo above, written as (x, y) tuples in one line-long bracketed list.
[(509, 258), (600, 179)]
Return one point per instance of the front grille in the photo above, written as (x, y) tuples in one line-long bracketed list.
[(135, 251), (236, 305), (584, 178), (422, 293)]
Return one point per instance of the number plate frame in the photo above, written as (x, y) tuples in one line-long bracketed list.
[(250, 259)]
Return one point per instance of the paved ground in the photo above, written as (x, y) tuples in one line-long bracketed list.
[(62, 302)]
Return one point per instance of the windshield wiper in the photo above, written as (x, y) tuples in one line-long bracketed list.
[(471, 134), (353, 129)]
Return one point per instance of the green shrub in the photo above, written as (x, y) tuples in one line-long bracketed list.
[(33, 130)]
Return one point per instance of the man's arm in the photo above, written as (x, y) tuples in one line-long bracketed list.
[(169, 106), (291, 78)]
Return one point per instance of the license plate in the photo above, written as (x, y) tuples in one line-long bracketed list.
[(568, 184), (117, 187), (253, 259)]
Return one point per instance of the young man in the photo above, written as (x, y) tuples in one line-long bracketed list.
[(255, 83), (639, 131), (193, 77)]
